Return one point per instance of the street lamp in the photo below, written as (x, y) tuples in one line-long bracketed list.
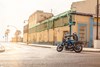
[(27, 29), (6, 34), (97, 18), (12, 26), (53, 32)]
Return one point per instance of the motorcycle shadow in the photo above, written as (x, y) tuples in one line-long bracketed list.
[(72, 52)]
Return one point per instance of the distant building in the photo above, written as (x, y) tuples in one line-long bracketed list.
[(34, 19), (38, 17), (17, 39)]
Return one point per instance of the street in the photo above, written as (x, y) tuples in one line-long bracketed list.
[(20, 55)]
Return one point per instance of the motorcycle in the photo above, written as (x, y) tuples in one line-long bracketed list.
[(69, 44)]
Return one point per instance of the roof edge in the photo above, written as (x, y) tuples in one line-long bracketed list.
[(83, 14)]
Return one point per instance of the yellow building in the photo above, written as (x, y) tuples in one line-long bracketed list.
[(17, 39), (43, 28), (53, 29), (35, 19), (85, 6), (91, 8)]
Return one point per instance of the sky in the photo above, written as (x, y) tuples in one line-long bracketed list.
[(14, 12)]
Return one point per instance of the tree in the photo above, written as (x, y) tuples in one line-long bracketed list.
[(17, 33), (6, 34)]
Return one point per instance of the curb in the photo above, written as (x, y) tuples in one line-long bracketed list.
[(40, 46), (84, 49), (91, 50)]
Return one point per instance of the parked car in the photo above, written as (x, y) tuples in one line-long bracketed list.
[(2, 48)]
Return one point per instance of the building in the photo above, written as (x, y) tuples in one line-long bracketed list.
[(85, 6), (35, 19), (17, 39), (88, 7), (53, 29)]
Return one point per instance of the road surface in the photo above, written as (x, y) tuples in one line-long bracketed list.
[(20, 55)]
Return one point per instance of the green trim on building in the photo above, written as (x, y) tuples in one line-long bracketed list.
[(50, 23)]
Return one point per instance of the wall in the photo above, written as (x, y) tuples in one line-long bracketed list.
[(95, 19), (56, 34), (84, 20), (94, 32), (38, 17), (86, 6), (25, 37), (95, 28)]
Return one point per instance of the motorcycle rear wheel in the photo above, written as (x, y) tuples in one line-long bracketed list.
[(78, 47)]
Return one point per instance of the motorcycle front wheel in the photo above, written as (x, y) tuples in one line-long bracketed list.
[(59, 48), (78, 47)]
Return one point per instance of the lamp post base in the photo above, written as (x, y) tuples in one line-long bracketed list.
[(97, 44)]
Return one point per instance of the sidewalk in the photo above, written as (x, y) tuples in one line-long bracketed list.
[(44, 46), (91, 50), (51, 46)]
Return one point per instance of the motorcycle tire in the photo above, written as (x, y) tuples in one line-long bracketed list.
[(78, 47), (59, 48)]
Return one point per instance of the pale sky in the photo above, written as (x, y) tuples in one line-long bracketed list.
[(14, 12)]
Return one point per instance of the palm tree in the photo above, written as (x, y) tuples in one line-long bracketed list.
[(6, 34)]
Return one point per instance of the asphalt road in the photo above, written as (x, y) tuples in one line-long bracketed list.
[(18, 55)]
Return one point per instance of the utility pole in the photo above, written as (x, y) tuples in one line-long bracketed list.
[(6, 34), (27, 30), (97, 19), (53, 32)]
